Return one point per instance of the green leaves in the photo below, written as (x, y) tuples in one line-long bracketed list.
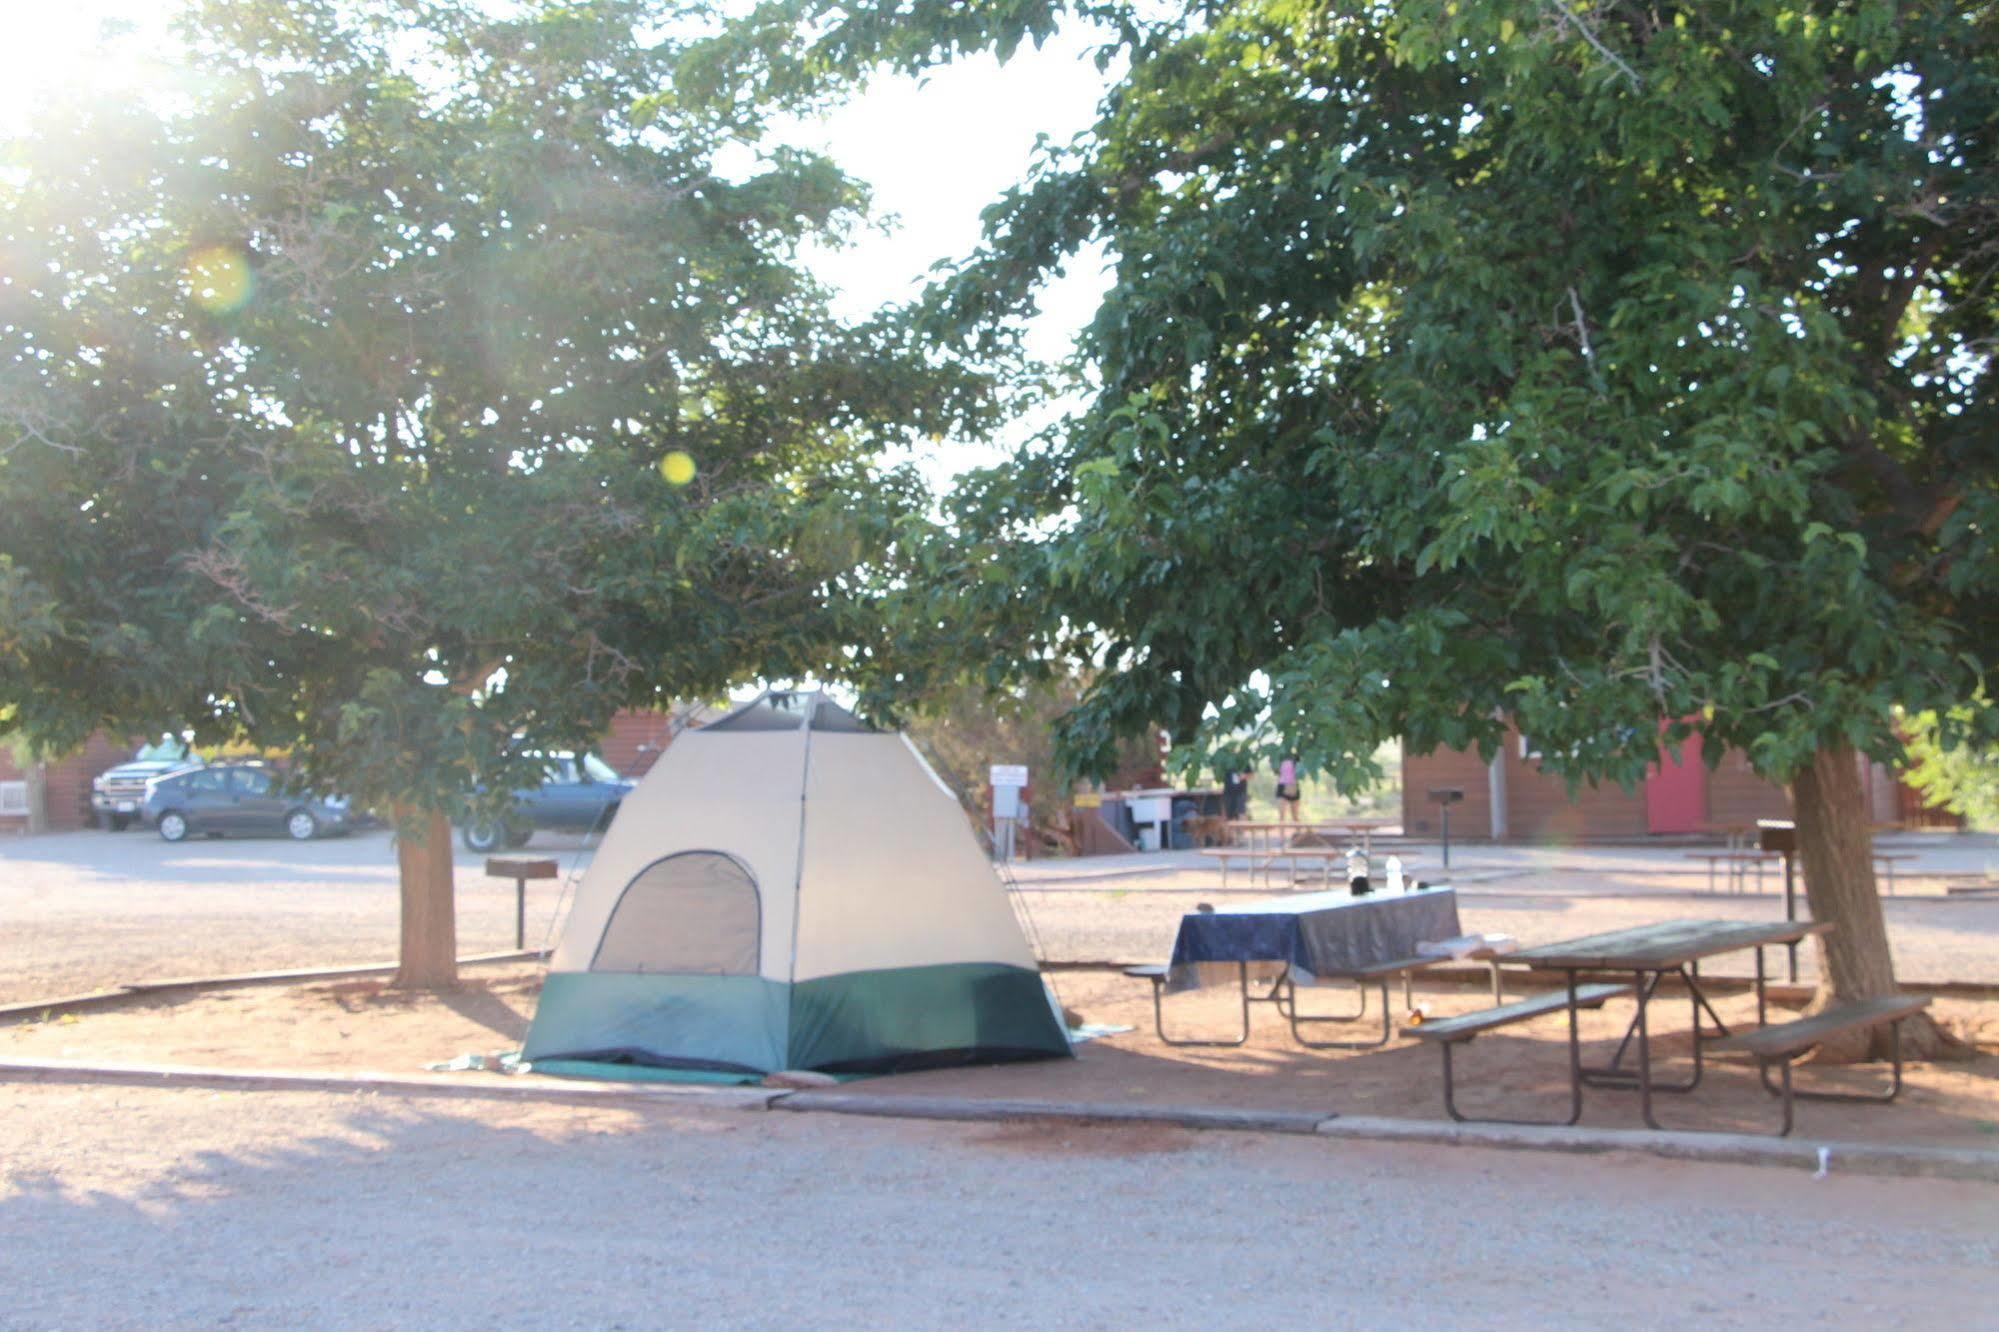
[(400, 509), (1505, 356)]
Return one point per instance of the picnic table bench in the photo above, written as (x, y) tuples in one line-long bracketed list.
[(1283, 996), (1738, 863), (1648, 954), (1783, 1042), (1448, 1033), (1887, 860)]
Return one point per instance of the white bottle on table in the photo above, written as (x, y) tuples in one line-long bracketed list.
[(1395, 883)]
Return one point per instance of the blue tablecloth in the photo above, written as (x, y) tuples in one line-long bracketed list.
[(1311, 934)]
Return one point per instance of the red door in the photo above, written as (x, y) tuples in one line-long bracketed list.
[(1676, 789)]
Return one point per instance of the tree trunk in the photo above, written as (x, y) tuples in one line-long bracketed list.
[(37, 774), (1855, 962), (429, 957)]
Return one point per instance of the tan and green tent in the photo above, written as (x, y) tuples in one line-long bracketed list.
[(791, 889)]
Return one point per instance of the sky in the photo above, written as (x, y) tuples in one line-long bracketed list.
[(935, 151)]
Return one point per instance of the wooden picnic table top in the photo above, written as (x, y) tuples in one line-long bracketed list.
[(1663, 946)]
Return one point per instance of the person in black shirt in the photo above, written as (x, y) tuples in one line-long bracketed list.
[(1235, 792)]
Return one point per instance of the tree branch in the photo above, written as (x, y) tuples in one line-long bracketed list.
[(1564, 17)]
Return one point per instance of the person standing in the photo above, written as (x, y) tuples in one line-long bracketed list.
[(1235, 792), (1287, 790)]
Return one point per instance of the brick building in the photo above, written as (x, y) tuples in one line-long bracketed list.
[(68, 781), (1512, 799)]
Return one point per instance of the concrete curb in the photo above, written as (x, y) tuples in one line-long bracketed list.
[(1091, 1112), (151, 989), (1865, 1158), (544, 1090)]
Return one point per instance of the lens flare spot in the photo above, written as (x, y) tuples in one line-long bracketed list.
[(220, 278), (677, 468)]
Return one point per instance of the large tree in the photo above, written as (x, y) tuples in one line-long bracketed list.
[(1613, 366), (408, 387)]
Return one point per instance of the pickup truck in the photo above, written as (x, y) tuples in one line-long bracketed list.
[(578, 793), (117, 793)]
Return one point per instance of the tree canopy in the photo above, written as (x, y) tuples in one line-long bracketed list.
[(1607, 366), (419, 381), (1599, 368)]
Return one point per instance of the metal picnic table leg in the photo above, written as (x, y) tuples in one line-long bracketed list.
[(1575, 1077), (1789, 1094), (1159, 1017), (1613, 1075), (1575, 1053), (1612, 1069), (1645, 1056), (1284, 997), (1387, 1025), (1691, 973)]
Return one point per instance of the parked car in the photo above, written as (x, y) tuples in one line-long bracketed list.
[(117, 793), (579, 792), (238, 798)]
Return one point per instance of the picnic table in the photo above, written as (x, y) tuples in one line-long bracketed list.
[(1265, 860), (1258, 831), (1647, 954), (1277, 944)]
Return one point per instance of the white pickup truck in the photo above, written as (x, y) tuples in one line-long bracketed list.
[(116, 794)]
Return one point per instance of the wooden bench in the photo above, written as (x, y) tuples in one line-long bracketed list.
[(1156, 973), (1783, 1042), (1285, 997), (1738, 863), (1222, 855), (1887, 860), (1448, 1033)]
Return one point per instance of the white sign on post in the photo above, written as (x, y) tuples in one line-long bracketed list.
[(1009, 780)]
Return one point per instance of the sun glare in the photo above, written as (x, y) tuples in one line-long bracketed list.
[(48, 49)]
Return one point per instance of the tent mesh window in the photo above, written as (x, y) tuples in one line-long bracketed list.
[(696, 911)]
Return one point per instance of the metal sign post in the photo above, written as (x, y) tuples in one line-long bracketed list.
[(520, 871), (1009, 783), (1446, 796), (1781, 836)]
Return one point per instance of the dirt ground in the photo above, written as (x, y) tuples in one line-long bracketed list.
[(146, 1208), (358, 1025)]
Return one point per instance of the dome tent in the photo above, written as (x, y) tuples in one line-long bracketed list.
[(790, 889)]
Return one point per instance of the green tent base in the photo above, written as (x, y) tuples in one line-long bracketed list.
[(604, 1071)]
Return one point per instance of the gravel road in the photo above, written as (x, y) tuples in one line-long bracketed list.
[(140, 1208), (90, 910)]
